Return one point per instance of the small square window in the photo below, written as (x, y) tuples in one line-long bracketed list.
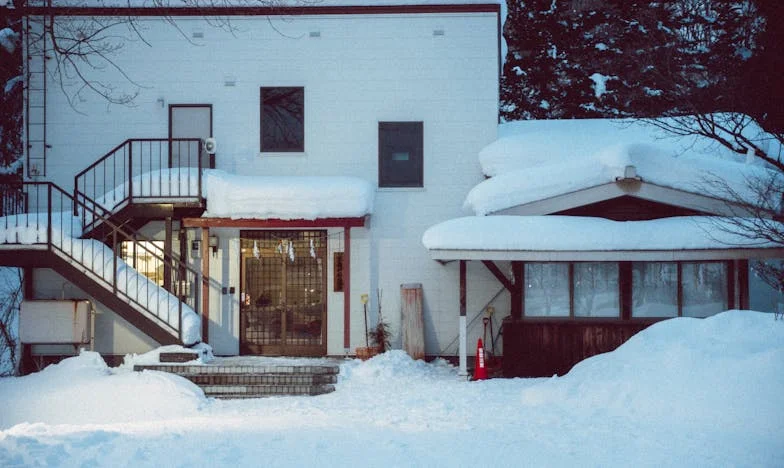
[(282, 119), (400, 154)]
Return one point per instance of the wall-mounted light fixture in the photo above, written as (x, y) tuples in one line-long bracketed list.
[(160, 102), (214, 245), (196, 249)]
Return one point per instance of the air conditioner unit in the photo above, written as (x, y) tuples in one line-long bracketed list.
[(53, 322), (210, 145)]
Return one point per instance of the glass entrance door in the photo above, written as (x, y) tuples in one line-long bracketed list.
[(283, 293)]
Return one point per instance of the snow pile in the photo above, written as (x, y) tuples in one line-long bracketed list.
[(83, 390), (161, 184), (685, 392), (546, 233), (236, 196), (536, 160), (725, 370), (203, 350)]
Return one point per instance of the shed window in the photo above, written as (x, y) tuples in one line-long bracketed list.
[(704, 288), (282, 119), (547, 289), (596, 291), (654, 289), (400, 154)]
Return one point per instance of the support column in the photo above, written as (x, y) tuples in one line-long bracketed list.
[(347, 289), (205, 284), (168, 244), (518, 273), (463, 359)]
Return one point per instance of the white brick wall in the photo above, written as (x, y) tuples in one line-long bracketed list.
[(361, 70)]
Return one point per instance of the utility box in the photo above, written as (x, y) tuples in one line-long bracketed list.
[(54, 322)]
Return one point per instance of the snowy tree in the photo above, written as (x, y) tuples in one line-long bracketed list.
[(613, 58), (10, 94)]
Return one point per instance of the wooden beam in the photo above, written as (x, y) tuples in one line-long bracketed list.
[(347, 289), (168, 245), (273, 223), (498, 274), (518, 272), (462, 345), (743, 284), (205, 284)]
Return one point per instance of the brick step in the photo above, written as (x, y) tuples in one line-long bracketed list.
[(262, 379), (256, 391), (242, 381)]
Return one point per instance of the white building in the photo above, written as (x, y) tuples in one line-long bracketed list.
[(363, 120)]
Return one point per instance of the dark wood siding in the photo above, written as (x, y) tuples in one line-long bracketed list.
[(534, 348), (628, 208)]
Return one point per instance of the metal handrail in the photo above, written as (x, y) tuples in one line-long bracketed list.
[(49, 200), (143, 169)]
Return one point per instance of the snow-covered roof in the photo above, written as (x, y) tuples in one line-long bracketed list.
[(292, 197), (536, 160), (545, 237), (262, 3)]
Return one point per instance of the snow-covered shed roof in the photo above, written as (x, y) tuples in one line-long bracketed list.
[(574, 238), (537, 160), (287, 198)]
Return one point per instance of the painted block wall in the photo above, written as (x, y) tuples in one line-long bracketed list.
[(357, 70)]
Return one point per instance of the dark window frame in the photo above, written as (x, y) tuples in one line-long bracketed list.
[(270, 145), (401, 138), (625, 291)]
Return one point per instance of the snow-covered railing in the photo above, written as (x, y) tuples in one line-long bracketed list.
[(47, 220), (143, 171)]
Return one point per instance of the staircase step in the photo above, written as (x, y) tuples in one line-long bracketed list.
[(257, 391), (262, 379), (243, 381)]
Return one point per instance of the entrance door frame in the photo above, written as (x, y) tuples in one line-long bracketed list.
[(188, 106), (283, 348)]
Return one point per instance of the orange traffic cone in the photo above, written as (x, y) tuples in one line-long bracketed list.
[(480, 372)]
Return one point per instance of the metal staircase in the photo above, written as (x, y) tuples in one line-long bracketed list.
[(41, 231), (141, 180)]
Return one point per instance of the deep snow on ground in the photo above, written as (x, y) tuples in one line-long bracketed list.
[(685, 392)]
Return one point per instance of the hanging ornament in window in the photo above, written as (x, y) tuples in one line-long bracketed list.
[(312, 249), (256, 251), (291, 251), (280, 247)]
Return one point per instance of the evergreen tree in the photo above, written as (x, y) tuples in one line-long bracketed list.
[(11, 86), (617, 58)]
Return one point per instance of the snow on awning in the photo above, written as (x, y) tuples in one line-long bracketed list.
[(573, 238), (286, 198)]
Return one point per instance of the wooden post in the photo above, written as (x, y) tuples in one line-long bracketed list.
[(167, 254), (205, 284), (518, 273), (347, 289), (413, 322), (463, 353)]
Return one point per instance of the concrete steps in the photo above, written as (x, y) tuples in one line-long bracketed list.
[(242, 381)]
